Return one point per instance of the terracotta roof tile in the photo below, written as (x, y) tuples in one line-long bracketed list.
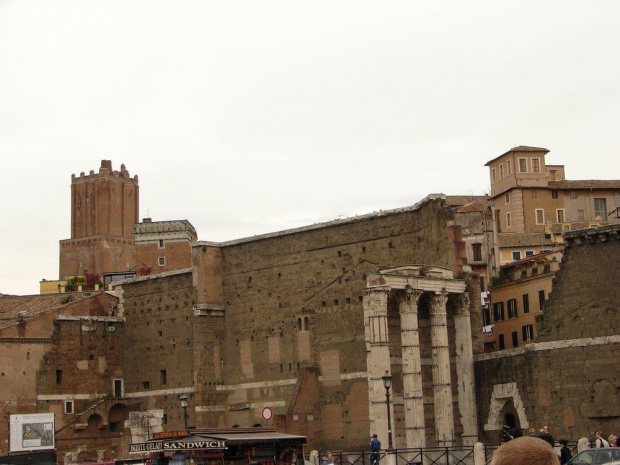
[(33, 305), (556, 228), (523, 240), (585, 184)]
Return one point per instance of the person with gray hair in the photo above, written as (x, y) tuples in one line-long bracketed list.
[(525, 451)]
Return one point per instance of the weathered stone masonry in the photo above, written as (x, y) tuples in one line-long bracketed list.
[(568, 379)]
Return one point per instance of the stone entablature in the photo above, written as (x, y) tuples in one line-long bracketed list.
[(421, 277)]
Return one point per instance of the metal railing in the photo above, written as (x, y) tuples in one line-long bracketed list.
[(461, 455), (424, 456)]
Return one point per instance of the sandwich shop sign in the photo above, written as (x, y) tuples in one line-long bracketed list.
[(172, 445)]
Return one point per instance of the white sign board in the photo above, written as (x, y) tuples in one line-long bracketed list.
[(32, 432)]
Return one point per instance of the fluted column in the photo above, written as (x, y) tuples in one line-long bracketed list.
[(377, 355), (465, 371), (442, 388), (412, 369)]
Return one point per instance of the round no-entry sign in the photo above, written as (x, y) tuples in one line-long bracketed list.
[(267, 413)]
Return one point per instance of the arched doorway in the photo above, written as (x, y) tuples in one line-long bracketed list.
[(506, 412), (117, 416)]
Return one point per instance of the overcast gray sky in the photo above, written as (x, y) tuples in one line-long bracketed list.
[(247, 117)]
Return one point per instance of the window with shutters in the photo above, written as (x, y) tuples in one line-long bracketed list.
[(498, 311), (600, 208), (477, 249), (526, 303), (512, 308)]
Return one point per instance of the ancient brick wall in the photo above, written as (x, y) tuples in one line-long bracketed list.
[(104, 208), (158, 364), (176, 255), (568, 379), (104, 203), (294, 301), (584, 299), (86, 356), (97, 254)]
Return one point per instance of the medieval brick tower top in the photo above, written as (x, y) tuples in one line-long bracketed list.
[(104, 208)]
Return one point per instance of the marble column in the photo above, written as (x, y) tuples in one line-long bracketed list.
[(412, 369), (377, 355), (465, 371), (442, 386)]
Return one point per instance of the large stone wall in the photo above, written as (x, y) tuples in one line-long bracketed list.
[(293, 303), (569, 379), (158, 363)]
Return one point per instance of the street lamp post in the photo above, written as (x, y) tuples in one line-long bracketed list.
[(387, 384), (184, 404)]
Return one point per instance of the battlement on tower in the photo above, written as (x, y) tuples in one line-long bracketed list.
[(105, 170)]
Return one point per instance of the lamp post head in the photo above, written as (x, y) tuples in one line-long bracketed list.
[(183, 399), (387, 380)]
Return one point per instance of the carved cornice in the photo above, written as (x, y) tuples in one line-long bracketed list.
[(605, 233)]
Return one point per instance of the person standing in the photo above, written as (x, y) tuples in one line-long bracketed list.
[(328, 459), (375, 450), (565, 454), (545, 435), (600, 440)]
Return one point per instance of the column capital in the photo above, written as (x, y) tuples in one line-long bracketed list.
[(375, 298), (412, 295), (438, 302), (376, 290), (462, 304)]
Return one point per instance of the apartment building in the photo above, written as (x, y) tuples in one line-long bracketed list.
[(534, 200), (518, 294)]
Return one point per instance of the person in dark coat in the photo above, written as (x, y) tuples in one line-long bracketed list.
[(565, 454), (545, 435)]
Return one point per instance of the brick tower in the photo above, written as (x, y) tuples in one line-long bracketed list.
[(104, 208)]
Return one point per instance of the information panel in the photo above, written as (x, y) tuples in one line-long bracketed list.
[(32, 432)]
